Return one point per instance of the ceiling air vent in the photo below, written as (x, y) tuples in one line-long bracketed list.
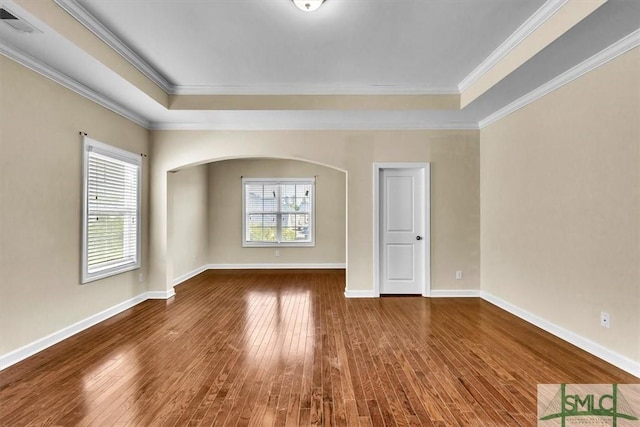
[(17, 23)]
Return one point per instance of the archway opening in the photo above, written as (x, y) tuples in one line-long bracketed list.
[(205, 217)]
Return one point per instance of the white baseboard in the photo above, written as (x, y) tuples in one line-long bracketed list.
[(585, 344), (22, 353), (37, 346), (367, 293), (189, 275), (435, 293), (161, 294), (277, 266), (455, 293)]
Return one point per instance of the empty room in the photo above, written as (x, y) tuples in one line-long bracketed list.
[(320, 212)]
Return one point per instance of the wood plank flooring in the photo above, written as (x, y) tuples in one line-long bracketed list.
[(287, 349)]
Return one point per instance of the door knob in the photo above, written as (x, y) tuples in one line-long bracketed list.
[(418, 237)]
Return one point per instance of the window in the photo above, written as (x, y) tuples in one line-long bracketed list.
[(278, 211), (111, 211)]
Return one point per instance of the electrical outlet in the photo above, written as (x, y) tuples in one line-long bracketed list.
[(459, 275), (277, 252), (140, 278), (605, 320)]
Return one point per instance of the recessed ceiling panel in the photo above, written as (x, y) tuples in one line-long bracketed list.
[(270, 45)]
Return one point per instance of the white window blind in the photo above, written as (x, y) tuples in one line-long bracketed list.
[(111, 220), (278, 212)]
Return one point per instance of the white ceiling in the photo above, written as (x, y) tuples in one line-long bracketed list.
[(348, 46), (412, 45)]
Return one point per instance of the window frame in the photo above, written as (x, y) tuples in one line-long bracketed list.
[(92, 146), (277, 181)]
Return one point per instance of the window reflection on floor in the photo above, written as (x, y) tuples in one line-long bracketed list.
[(282, 320), (121, 368)]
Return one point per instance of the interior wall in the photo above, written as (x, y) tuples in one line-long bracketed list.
[(40, 206), (560, 189), (225, 212), (455, 188), (189, 229)]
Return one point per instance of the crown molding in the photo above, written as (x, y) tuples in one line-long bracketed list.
[(618, 48), (317, 126), (625, 44), (546, 11), (66, 81), (78, 12), (318, 90)]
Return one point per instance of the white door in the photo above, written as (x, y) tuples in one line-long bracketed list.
[(403, 244)]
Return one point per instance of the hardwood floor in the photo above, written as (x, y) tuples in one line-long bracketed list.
[(286, 348)]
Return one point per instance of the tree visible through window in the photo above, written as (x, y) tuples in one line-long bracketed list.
[(111, 219), (278, 212)]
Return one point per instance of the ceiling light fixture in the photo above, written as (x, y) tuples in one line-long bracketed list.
[(308, 5)]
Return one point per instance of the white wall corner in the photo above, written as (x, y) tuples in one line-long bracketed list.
[(579, 341), (37, 346), (455, 293)]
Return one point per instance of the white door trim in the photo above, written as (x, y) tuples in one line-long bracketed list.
[(377, 168)]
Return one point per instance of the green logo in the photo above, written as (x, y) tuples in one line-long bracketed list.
[(587, 404)]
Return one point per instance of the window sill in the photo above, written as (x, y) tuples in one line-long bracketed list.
[(87, 278)]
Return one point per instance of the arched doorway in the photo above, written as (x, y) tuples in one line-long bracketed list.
[(204, 217)]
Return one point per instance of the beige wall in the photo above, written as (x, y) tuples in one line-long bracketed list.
[(188, 232), (455, 188), (40, 206), (560, 189), (559, 181), (225, 212)]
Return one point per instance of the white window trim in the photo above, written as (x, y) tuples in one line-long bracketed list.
[(91, 145), (312, 221)]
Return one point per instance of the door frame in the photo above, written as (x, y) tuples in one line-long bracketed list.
[(425, 168)]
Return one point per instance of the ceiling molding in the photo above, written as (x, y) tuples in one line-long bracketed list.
[(627, 43), (623, 45), (550, 8), (78, 12), (318, 126), (70, 83), (299, 90), (66, 81)]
